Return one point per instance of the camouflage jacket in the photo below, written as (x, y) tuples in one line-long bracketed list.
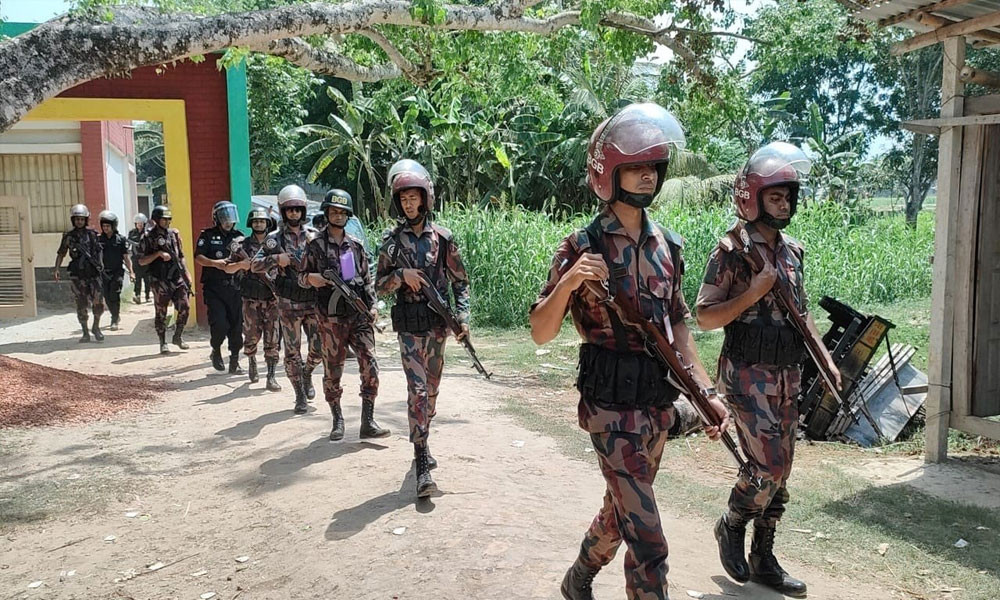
[(651, 281), (76, 242), (323, 253), (727, 276), (424, 253), (156, 240)]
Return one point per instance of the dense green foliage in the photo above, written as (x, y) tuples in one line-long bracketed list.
[(855, 256)]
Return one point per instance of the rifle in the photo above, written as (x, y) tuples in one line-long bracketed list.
[(176, 264), (439, 305), (755, 259), (661, 347), (342, 290), (92, 261)]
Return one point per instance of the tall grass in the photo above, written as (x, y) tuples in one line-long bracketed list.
[(859, 258)]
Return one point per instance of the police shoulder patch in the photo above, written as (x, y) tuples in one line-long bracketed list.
[(270, 243), (161, 241), (201, 241)]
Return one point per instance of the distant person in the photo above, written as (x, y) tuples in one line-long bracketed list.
[(115, 255), (85, 269), (161, 250), (141, 278)]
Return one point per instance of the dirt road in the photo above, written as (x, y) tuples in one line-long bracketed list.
[(236, 496)]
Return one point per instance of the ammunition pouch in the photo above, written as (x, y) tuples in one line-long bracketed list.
[(623, 380), (323, 296), (253, 288), (780, 346), (289, 289), (415, 317)]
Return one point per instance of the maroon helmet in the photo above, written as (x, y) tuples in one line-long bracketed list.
[(637, 134), (406, 174), (778, 163)]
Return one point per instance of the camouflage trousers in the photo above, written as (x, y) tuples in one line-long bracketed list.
[(629, 462), (766, 427), (294, 317), (423, 362), (165, 292), (87, 293), (337, 333), (260, 320)]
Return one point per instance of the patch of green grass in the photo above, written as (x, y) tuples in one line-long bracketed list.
[(25, 501)]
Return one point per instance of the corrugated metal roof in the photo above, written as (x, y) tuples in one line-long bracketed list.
[(961, 12)]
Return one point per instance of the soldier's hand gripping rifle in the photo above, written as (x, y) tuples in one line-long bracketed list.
[(440, 306), (662, 348), (175, 263), (342, 290), (751, 253), (92, 261)]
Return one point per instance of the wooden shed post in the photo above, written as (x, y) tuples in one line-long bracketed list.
[(942, 296)]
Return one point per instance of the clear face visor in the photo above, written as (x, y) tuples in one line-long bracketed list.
[(776, 156), (226, 215), (641, 128)]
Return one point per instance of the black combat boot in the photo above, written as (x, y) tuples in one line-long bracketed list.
[(337, 432), (272, 381), (114, 325), (307, 381), (300, 398), (178, 340), (764, 567), (369, 428), (252, 369), (578, 582), (234, 365), (425, 484), (731, 535), (163, 343), (217, 363), (96, 330), (432, 462), (86, 333)]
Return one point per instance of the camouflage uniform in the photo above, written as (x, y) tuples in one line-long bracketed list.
[(628, 441), (423, 352), (294, 315), (85, 278), (141, 272), (351, 328), (762, 397), (260, 305), (166, 278)]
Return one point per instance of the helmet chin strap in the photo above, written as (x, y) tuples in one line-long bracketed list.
[(636, 200), (767, 219)]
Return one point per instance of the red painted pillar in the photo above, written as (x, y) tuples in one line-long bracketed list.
[(95, 188)]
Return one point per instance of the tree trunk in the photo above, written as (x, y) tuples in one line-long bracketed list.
[(916, 190)]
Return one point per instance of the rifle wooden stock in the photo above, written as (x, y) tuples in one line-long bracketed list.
[(663, 350), (753, 256)]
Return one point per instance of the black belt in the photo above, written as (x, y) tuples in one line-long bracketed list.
[(290, 289), (415, 317), (623, 380)]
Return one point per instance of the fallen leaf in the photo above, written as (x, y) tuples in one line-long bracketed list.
[(961, 543), (883, 548), (242, 559), (695, 594), (34, 584), (156, 566), (399, 531)]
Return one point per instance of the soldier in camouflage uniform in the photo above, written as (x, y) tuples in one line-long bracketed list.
[(335, 250), (141, 273), (759, 365), (421, 332), (278, 259), (260, 305), (85, 269), (161, 250), (625, 404)]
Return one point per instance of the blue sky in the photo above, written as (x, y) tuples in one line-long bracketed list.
[(31, 11)]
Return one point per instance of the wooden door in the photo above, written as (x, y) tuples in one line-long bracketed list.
[(986, 345), (17, 269)]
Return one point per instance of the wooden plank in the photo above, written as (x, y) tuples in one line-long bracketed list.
[(941, 34), (979, 426), (911, 15), (964, 121), (963, 300), (942, 310), (935, 22), (985, 391), (982, 105), (915, 128)]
